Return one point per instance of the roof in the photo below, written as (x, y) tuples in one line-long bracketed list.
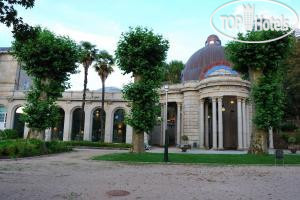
[(110, 90), (204, 59)]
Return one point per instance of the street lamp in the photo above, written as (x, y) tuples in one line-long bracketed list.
[(166, 158)]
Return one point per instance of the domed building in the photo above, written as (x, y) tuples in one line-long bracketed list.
[(210, 104)]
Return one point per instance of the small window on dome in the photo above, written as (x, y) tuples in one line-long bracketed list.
[(211, 42)]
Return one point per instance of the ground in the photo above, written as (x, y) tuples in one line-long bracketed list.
[(74, 176)]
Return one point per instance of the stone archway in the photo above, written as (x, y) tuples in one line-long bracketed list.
[(76, 134), (119, 127), (58, 130), (97, 125), (18, 124)]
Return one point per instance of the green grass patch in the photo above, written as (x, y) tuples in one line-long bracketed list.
[(25, 148), (98, 144), (227, 159)]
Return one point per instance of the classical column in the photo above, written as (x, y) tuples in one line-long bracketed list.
[(201, 134), (88, 121), (48, 134), (178, 123), (214, 121), (128, 134), (240, 123), (26, 130), (271, 144), (206, 125), (220, 123), (244, 123), (247, 125), (67, 126)]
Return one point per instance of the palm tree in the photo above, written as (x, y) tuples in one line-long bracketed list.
[(87, 56), (103, 66)]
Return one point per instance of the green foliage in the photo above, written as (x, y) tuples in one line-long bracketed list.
[(103, 66), (8, 16), (265, 56), (173, 70), (25, 148), (49, 60), (97, 144), (292, 84), (8, 134), (269, 58), (292, 140), (142, 53), (268, 97)]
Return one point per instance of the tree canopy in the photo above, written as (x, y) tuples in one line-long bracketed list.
[(268, 58), (172, 71), (49, 59), (142, 52)]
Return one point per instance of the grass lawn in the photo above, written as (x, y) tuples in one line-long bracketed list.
[(198, 158)]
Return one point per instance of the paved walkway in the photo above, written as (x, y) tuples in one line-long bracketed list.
[(74, 176)]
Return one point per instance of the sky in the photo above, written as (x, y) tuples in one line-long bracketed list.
[(185, 23)]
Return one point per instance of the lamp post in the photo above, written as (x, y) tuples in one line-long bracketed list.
[(166, 157)]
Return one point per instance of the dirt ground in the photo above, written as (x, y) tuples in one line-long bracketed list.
[(74, 176)]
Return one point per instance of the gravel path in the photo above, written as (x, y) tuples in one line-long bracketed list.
[(74, 176)]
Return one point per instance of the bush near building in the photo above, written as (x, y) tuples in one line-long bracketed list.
[(25, 148), (98, 144), (8, 134)]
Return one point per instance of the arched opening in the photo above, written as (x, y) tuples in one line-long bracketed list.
[(119, 127), (76, 133), (58, 130), (97, 135), (3, 114), (18, 124)]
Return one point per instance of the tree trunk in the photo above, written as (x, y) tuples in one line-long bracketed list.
[(137, 136), (138, 142), (258, 140), (102, 107), (81, 125), (36, 134)]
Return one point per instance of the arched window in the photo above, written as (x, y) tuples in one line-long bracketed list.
[(97, 125), (2, 117), (18, 124), (119, 130), (58, 130), (76, 133)]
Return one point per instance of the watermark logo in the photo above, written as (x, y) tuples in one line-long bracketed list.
[(241, 16)]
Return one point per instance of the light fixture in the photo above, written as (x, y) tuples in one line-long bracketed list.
[(208, 116), (231, 102), (223, 109)]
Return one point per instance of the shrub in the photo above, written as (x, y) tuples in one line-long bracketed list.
[(32, 147), (8, 134), (292, 140), (98, 144)]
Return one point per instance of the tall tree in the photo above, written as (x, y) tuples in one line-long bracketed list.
[(173, 71), (103, 66), (142, 53), (263, 64), (292, 84), (87, 56), (49, 60)]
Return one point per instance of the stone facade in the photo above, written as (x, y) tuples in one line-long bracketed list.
[(214, 111)]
